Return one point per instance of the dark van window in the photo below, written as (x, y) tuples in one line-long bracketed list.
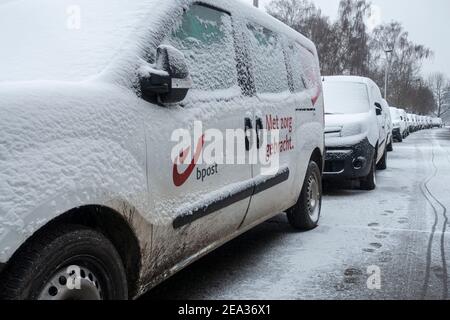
[(205, 36), (268, 61)]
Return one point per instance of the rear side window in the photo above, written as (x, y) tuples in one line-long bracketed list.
[(268, 61), (205, 36), (296, 72), (310, 69)]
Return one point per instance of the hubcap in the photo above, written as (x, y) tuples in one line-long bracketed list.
[(77, 284), (314, 198)]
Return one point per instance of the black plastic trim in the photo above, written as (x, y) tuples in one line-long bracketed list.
[(217, 205)]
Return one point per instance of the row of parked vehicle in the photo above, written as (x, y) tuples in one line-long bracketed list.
[(360, 128), (90, 192), (407, 123)]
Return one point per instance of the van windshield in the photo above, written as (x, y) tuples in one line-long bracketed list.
[(345, 97), (395, 114), (66, 40)]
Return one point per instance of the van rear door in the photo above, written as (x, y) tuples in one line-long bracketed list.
[(275, 118)]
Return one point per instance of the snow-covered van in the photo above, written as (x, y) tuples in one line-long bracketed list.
[(404, 119), (399, 124), (99, 197), (355, 133), (389, 127)]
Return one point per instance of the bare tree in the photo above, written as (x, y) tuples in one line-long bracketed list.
[(347, 45), (354, 38), (440, 87), (306, 18)]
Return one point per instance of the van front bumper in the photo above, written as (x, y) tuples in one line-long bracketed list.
[(350, 162), (397, 134)]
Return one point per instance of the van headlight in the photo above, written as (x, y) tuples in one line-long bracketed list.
[(352, 129)]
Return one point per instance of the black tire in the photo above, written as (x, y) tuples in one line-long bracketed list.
[(369, 183), (390, 146), (382, 165), (400, 139), (50, 252), (302, 216)]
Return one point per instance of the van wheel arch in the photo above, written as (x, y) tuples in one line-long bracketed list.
[(317, 157), (113, 226)]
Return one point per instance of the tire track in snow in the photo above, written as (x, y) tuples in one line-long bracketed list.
[(429, 196), (431, 237)]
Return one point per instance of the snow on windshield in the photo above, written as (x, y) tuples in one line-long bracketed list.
[(395, 114), (345, 97), (67, 40)]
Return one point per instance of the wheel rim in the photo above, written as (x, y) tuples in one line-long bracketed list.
[(79, 283), (314, 198)]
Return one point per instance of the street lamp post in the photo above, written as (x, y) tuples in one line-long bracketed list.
[(386, 74)]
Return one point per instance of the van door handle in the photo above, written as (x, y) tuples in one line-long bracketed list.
[(248, 126), (259, 128)]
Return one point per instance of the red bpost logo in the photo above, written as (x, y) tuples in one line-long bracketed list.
[(180, 178)]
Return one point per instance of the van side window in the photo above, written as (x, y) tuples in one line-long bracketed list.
[(311, 72), (205, 36), (268, 61), (295, 67)]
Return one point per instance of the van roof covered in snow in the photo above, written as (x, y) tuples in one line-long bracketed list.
[(355, 79), (73, 40)]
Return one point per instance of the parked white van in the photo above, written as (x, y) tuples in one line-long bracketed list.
[(93, 186), (404, 118), (355, 133), (399, 124), (389, 127)]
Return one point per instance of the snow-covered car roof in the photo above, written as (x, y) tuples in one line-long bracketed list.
[(355, 79)]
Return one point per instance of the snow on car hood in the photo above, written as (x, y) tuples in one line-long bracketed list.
[(70, 40), (343, 130)]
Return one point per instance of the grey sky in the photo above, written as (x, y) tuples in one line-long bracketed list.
[(428, 23)]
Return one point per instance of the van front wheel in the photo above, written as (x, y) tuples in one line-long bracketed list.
[(65, 263), (305, 214), (370, 182), (382, 165)]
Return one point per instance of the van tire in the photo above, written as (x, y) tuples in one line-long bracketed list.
[(369, 183), (390, 146), (305, 215), (48, 255), (382, 165)]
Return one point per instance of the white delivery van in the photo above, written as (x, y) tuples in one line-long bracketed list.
[(105, 130), (388, 125), (404, 119), (399, 123), (355, 133), (410, 118)]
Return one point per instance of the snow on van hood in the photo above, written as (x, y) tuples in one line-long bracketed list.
[(344, 130)]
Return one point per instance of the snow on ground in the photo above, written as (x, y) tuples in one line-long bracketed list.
[(390, 228)]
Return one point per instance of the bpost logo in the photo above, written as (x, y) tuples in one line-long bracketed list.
[(180, 178), (209, 149)]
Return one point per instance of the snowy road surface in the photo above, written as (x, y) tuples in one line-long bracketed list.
[(401, 228)]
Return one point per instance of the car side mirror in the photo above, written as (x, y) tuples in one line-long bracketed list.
[(378, 109), (168, 81)]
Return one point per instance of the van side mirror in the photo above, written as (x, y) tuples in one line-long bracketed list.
[(169, 81), (378, 109)]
